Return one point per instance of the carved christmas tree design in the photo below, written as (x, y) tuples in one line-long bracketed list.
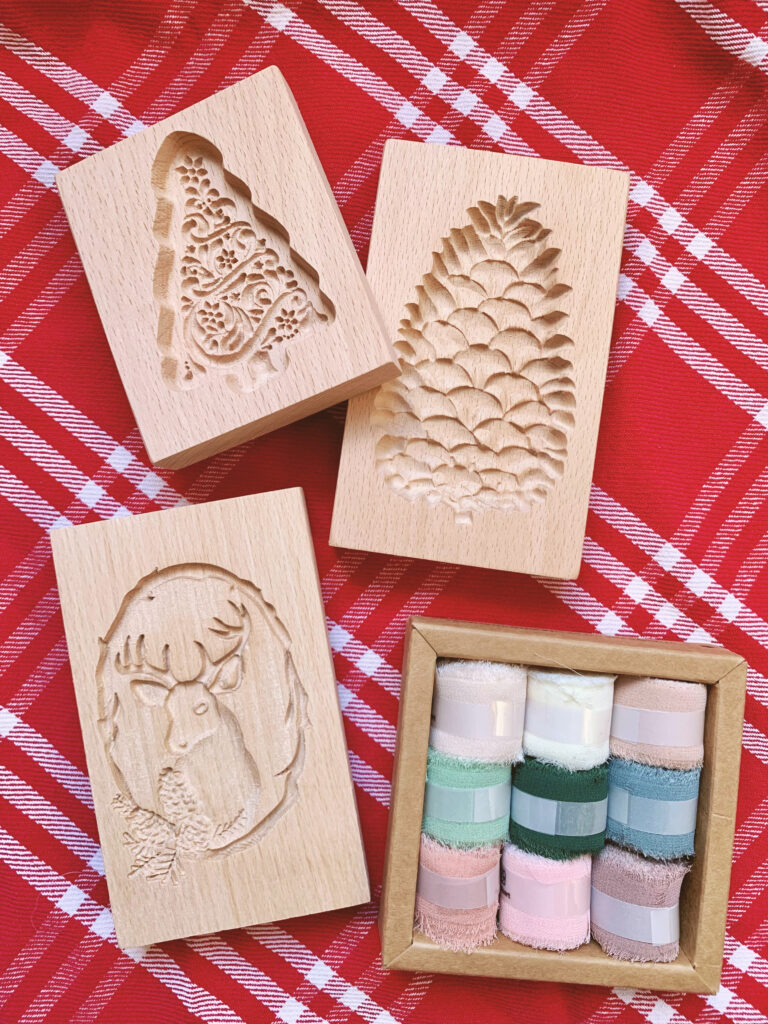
[(480, 417), (232, 293)]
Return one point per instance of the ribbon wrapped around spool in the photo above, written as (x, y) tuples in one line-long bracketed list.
[(635, 905), (457, 895), (659, 721), (478, 710), (544, 903), (466, 803), (652, 810), (568, 717), (558, 813)]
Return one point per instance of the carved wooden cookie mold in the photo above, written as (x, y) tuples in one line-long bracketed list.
[(496, 276), (183, 645), (480, 417), (210, 718), (231, 291), (227, 284)]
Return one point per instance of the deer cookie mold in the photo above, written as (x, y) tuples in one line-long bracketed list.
[(193, 674), (480, 417), (232, 294)]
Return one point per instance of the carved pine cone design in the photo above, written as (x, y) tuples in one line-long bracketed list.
[(480, 417)]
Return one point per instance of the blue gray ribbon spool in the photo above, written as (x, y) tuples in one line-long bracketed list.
[(558, 817), (646, 814), (450, 803), (658, 926)]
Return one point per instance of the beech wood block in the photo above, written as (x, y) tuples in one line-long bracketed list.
[(497, 277), (227, 285), (211, 723)]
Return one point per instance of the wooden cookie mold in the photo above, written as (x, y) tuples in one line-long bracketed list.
[(210, 718), (481, 451), (229, 290)]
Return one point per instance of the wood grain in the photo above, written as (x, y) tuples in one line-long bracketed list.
[(211, 724), (226, 282), (497, 276)]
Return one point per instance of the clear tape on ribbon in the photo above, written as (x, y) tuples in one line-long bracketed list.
[(449, 803), (566, 898), (495, 719), (656, 925), (572, 725), (646, 814), (558, 817), (458, 893), (658, 728)]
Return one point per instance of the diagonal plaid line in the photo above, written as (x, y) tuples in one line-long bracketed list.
[(93, 916), (85, 430), (91, 495), (29, 802), (78, 85), (590, 151), (682, 344), (59, 127), (43, 753), (677, 564), (728, 33), (695, 298), (671, 279)]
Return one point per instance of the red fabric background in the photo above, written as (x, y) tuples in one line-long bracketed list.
[(677, 532)]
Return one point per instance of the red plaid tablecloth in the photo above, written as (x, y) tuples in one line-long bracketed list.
[(677, 537)]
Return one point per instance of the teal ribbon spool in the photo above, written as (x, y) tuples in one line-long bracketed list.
[(652, 810), (466, 803)]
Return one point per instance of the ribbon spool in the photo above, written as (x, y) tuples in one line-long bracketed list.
[(558, 813), (568, 718), (466, 803), (544, 903), (659, 722), (478, 710), (457, 895), (635, 905), (652, 810)]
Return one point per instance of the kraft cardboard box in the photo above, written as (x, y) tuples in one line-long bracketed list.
[(704, 897)]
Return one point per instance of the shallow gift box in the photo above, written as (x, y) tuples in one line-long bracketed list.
[(704, 896), (226, 282), (211, 723)]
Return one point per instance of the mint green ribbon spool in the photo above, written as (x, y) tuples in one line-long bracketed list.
[(466, 803)]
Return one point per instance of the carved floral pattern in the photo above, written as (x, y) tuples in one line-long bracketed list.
[(243, 294)]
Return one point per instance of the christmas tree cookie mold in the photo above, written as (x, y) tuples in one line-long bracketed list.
[(233, 297)]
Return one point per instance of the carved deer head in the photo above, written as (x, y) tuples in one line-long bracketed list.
[(191, 705)]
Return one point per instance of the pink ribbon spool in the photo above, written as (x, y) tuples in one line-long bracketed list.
[(478, 710), (450, 888), (659, 721), (544, 903)]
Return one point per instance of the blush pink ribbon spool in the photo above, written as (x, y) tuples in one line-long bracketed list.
[(544, 903), (451, 885), (478, 710), (659, 721), (458, 893), (635, 905)]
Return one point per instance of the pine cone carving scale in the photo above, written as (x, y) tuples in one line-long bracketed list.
[(479, 418)]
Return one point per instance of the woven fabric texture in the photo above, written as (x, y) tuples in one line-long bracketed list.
[(674, 93), (554, 783)]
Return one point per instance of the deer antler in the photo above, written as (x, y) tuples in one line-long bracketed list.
[(136, 664), (241, 627)]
